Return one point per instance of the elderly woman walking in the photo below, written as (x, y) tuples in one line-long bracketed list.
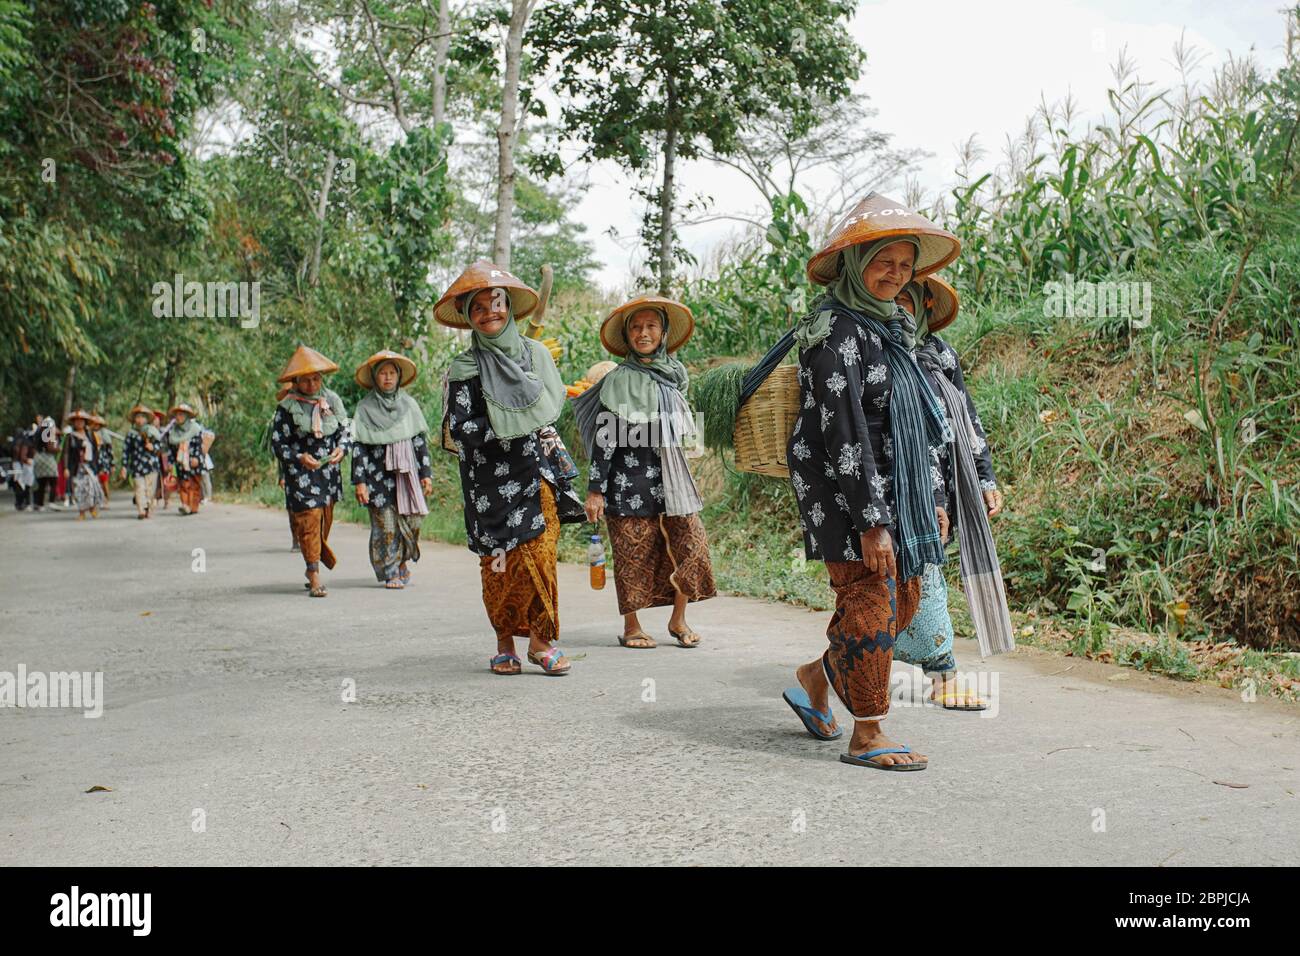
[(185, 438), (502, 396), (860, 458), (309, 437), (140, 458), (80, 462), (390, 465), (635, 424), (927, 642)]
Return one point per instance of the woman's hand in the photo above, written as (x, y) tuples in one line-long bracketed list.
[(878, 552), (595, 506), (944, 524), (336, 455), (993, 500), (363, 493), (307, 461), (426, 485)]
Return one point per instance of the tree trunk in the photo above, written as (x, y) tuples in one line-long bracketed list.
[(322, 205), (506, 133), (666, 197), (68, 384), (441, 52)]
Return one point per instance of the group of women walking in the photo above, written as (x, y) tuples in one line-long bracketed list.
[(887, 457)]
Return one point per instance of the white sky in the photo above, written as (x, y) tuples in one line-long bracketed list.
[(985, 67)]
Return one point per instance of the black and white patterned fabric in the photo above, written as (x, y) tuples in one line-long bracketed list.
[(306, 488), (629, 475), (840, 452), (501, 479), (194, 454), (368, 469), (136, 459), (948, 360)]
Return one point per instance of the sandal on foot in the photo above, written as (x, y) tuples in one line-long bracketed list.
[(623, 639), (943, 700), (405, 576), (681, 637), (394, 584), (321, 591), (516, 668), (547, 662), (798, 700), (866, 759)]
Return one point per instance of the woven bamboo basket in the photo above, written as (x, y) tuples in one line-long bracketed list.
[(764, 424)]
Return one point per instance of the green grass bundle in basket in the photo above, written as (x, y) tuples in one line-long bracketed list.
[(758, 431)]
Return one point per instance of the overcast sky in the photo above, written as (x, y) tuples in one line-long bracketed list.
[(983, 70)]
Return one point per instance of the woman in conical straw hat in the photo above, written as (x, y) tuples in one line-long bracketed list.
[(309, 437), (391, 469), (860, 459), (636, 425), (927, 641), (140, 458), (502, 396), (104, 454), (80, 457), (185, 439)]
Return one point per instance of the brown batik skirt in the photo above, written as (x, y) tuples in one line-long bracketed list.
[(521, 590), (870, 610), (655, 557), (312, 528)]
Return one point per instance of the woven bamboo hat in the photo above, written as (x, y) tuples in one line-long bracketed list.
[(365, 375), (942, 300), (305, 361), (879, 217), (79, 413), (183, 407), (96, 419), (483, 275), (681, 324), (136, 409)]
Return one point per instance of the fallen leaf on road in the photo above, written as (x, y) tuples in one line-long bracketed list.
[(98, 789), (1234, 786), (145, 613)]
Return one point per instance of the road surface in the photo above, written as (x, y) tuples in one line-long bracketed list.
[(225, 737)]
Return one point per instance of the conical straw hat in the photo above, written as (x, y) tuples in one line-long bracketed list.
[(878, 217), (136, 410), (305, 361), (944, 302), (183, 407), (681, 324), (483, 275), (365, 375)]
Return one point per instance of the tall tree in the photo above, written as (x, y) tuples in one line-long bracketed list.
[(646, 81)]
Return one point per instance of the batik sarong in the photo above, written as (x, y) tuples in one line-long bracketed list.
[(313, 527), (520, 588), (927, 640), (394, 540), (657, 556)]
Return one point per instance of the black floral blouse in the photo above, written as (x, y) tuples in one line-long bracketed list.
[(75, 449), (195, 454), (840, 454), (105, 457), (368, 469), (501, 478), (983, 455), (136, 459), (304, 488), (629, 475)]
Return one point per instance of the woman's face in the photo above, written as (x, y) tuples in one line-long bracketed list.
[(889, 270), (181, 418), (141, 419), (308, 384), (645, 330), (905, 300), (387, 376), (489, 311)]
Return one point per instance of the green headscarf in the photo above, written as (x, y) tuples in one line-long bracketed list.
[(148, 430), (631, 391), (384, 418), (180, 434), (916, 291), (521, 385), (851, 290), (300, 408)]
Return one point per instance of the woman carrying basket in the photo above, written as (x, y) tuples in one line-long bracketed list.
[(635, 424), (860, 459)]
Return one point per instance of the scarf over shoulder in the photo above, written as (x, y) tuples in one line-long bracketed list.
[(384, 418), (321, 414)]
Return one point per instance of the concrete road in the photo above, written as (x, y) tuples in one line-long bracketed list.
[(225, 737)]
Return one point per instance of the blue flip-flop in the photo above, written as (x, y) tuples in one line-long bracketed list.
[(864, 760), (798, 700), (501, 659)]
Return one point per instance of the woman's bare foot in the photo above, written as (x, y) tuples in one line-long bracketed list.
[(867, 735), (948, 695), (633, 636), (812, 679), (315, 588)]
